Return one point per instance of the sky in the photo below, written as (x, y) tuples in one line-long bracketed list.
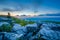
[(30, 6)]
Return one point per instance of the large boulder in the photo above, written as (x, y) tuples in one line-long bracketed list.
[(5, 23), (50, 25), (17, 28), (13, 36), (31, 29), (10, 36), (48, 34), (31, 25)]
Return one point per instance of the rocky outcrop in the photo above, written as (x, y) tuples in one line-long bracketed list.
[(5, 23), (9, 36), (36, 31), (48, 34), (17, 28)]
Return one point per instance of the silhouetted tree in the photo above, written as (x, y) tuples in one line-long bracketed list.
[(9, 15)]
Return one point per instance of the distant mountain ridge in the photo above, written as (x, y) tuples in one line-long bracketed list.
[(53, 14)]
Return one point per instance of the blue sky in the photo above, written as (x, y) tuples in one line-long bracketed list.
[(37, 6)]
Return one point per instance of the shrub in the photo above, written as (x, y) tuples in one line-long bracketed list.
[(5, 28)]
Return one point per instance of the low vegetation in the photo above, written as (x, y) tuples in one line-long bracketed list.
[(5, 28), (22, 22)]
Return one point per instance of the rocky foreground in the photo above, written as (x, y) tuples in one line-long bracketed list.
[(36, 31)]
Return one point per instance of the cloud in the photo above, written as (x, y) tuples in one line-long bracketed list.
[(30, 5), (11, 9), (6, 9)]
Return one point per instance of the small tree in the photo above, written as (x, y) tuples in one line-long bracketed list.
[(9, 15)]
